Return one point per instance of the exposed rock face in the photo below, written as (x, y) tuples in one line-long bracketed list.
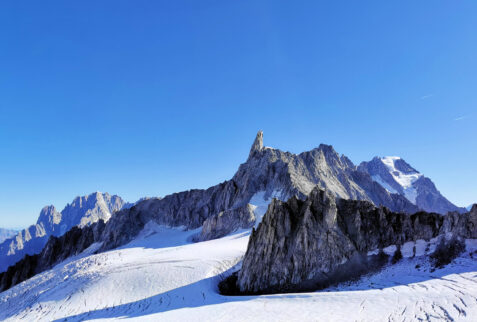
[(397, 176), (83, 211), (226, 222), (302, 245), (50, 219), (30, 240), (257, 145), (56, 250)]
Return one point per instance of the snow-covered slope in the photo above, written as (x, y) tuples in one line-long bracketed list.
[(81, 212), (397, 176), (162, 276)]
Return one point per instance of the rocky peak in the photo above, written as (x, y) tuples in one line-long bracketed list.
[(257, 145), (49, 216), (49, 221), (88, 209)]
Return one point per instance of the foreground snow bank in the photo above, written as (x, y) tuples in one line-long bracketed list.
[(162, 276)]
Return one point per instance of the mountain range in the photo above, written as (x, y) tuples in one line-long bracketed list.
[(283, 220), (83, 211), (237, 203)]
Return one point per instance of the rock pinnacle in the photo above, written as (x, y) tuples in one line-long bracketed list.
[(257, 144)]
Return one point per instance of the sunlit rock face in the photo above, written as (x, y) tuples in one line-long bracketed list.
[(82, 212)]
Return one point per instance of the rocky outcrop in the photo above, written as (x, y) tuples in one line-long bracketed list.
[(305, 245), (227, 222)]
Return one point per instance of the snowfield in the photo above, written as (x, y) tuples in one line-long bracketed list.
[(162, 276), (405, 180)]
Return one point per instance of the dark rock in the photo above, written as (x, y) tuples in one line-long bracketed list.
[(227, 222)]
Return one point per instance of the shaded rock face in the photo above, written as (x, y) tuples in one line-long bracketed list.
[(398, 177), (227, 222), (304, 245), (82, 212)]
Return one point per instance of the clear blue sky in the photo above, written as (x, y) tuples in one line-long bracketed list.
[(146, 98)]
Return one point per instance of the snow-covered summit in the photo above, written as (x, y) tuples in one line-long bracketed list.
[(404, 175), (397, 176)]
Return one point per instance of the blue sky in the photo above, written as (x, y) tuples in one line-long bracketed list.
[(146, 98)]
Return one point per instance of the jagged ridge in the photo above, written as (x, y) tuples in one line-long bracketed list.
[(83, 211), (305, 245)]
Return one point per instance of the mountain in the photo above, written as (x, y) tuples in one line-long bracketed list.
[(238, 203), (96, 284), (268, 173), (311, 244), (397, 176), (7, 233), (83, 211)]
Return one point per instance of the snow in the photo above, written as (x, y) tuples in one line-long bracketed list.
[(383, 183), (162, 276), (260, 201), (405, 180)]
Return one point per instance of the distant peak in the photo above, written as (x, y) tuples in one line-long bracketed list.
[(48, 214), (48, 209), (257, 145), (326, 148)]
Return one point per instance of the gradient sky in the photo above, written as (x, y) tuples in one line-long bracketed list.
[(146, 98)]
